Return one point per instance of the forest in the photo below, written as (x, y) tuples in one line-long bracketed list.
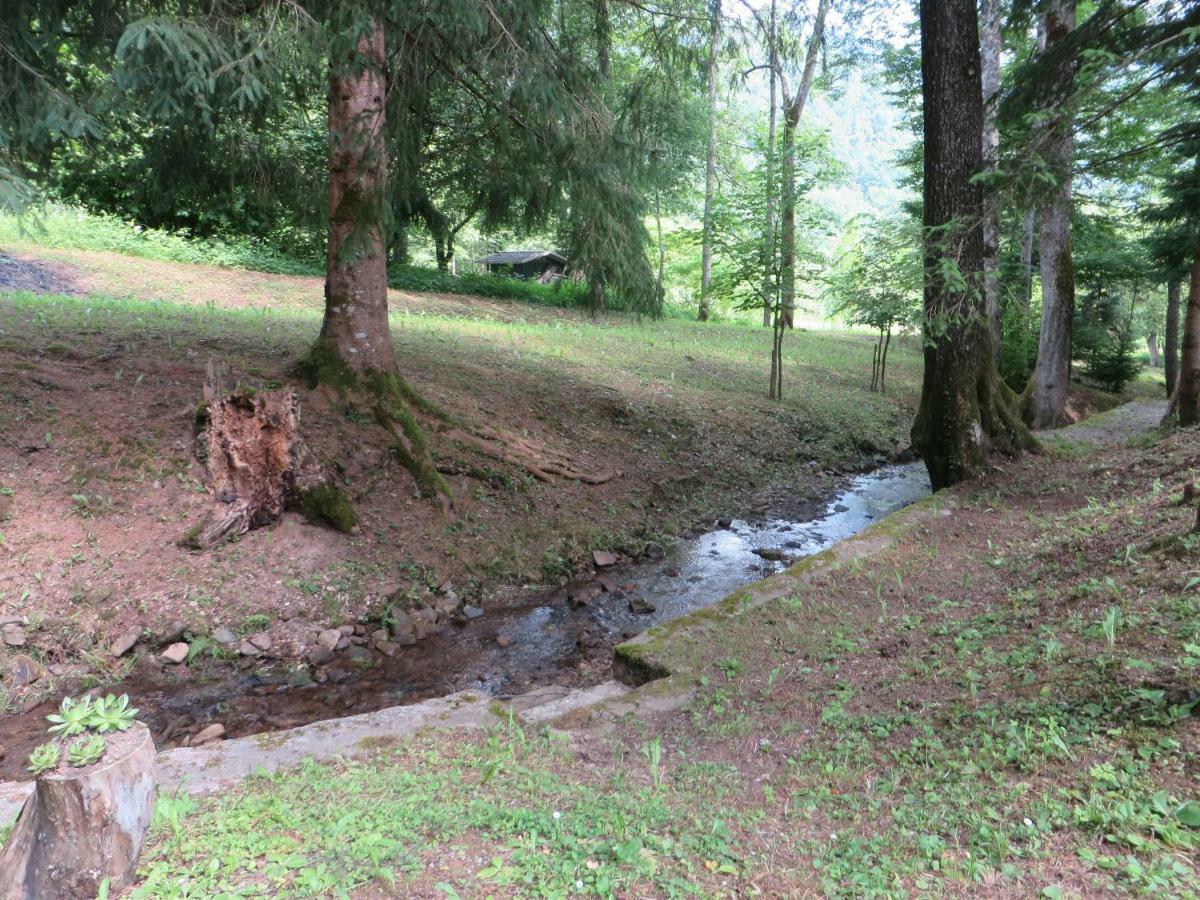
[(457, 448)]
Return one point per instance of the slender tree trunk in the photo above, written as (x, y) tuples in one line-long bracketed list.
[(794, 109), (1046, 395), (1152, 348), (710, 166), (1171, 337), (659, 289), (355, 327), (990, 41), (772, 176), (603, 37), (1188, 404), (965, 410), (883, 363), (1027, 232)]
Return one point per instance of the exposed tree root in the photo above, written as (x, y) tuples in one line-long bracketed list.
[(396, 407)]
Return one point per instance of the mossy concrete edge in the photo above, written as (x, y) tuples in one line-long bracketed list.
[(645, 662)]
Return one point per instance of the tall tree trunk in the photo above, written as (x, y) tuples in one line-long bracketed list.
[(659, 289), (793, 110), (990, 41), (1188, 403), (1027, 232), (772, 175), (1152, 349), (355, 328), (603, 37), (965, 410), (710, 166), (1171, 337), (1046, 395)]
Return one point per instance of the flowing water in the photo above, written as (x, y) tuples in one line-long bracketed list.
[(547, 640)]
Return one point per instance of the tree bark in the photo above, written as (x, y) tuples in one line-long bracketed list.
[(83, 827), (772, 179), (1188, 404), (1045, 397), (965, 411), (1027, 231), (793, 110), (710, 165), (1152, 349), (990, 43), (355, 327), (1171, 337)]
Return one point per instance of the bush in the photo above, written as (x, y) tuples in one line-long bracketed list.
[(1113, 363), (566, 294)]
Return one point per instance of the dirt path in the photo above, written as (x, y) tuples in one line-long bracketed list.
[(37, 277), (1109, 429)]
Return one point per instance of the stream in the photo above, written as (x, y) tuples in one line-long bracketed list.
[(547, 640)]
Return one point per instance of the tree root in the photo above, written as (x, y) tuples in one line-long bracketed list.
[(396, 407)]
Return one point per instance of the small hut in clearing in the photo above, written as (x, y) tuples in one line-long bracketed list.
[(532, 265)]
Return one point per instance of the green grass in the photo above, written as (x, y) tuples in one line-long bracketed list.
[(1018, 738), (55, 225)]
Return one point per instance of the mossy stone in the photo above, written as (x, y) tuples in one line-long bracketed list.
[(326, 505)]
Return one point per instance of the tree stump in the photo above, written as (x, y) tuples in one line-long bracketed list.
[(257, 462), (82, 826)]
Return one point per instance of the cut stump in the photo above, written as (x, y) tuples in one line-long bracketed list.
[(81, 827)]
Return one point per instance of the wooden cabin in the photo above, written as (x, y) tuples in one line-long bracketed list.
[(531, 265)]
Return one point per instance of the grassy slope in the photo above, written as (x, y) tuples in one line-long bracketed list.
[(97, 395), (1000, 705)]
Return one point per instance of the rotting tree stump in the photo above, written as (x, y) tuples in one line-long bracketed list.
[(83, 826), (257, 463)]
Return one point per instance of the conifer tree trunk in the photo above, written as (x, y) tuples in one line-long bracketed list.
[(1189, 368), (355, 327), (965, 411), (710, 166), (990, 41), (794, 109), (1045, 397), (1171, 337)]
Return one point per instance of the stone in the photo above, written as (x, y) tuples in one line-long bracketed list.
[(448, 604), (424, 621), (358, 640), (3, 751), (125, 642), (604, 558), (387, 648), (224, 636), (248, 649), (402, 622), (503, 640), (771, 554), (641, 606), (725, 522), (343, 643), (606, 584), (346, 629), (175, 654), (358, 654), (13, 635), (58, 670), (360, 630), (445, 587), (318, 656), (380, 634), (23, 671), (473, 612), (261, 641), (12, 620), (583, 594), (213, 732), (840, 508), (672, 573), (173, 632), (407, 639), (329, 638)]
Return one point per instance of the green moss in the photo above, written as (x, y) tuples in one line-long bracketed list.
[(191, 537), (326, 505), (323, 365)]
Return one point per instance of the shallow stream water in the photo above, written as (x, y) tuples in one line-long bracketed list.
[(547, 640)]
